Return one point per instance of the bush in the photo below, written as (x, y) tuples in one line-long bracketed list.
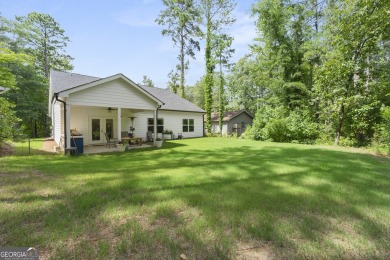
[(346, 141), (248, 134), (213, 134), (7, 120), (277, 130), (273, 125)]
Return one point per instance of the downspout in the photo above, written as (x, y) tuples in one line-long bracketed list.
[(65, 134), (158, 107), (156, 135)]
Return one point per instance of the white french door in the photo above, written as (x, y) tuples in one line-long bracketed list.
[(100, 125)]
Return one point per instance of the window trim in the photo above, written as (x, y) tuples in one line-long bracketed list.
[(188, 125), (160, 127)]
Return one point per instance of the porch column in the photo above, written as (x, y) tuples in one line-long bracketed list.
[(155, 127), (67, 130), (119, 129)]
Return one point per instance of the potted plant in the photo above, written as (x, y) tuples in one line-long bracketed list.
[(121, 146), (167, 132), (132, 129), (158, 142)]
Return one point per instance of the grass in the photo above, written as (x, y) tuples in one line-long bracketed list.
[(208, 198), (26, 147)]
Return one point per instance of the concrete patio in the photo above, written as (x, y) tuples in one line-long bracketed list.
[(93, 149), (50, 146)]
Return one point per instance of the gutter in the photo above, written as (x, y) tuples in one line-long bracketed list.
[(65, 134)]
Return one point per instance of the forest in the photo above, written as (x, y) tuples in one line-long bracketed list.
[(317, 72)]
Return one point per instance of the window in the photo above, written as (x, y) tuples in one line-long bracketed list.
[(188, 125), (160, 125)]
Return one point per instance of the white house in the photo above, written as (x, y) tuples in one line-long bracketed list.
[(94, 106)]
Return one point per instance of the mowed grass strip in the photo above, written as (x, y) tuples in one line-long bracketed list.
[(207, 198)]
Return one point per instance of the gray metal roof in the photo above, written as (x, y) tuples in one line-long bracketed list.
[(61, 81)]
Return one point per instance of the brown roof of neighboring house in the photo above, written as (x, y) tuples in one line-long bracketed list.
[(229, 115)]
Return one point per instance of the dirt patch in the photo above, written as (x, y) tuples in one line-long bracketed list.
[(48, 145), (35, 174), (256, 251)]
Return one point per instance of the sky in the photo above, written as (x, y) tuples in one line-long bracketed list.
[(121, 36)]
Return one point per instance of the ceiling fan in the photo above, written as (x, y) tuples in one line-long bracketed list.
[(109, 109)]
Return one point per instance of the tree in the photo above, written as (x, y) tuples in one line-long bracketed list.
[(223, 53), (7, 120), (355, 33), (283, 44), (218, 14), (30, 99), (182, 20), (247, 85), (45, 40), (195, 93), (7, 79), (146, 81), (7, 58), (174, 81)]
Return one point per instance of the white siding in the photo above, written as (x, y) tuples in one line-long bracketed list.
[(215, 128), (116, 93), (173, 120), (57, 121)]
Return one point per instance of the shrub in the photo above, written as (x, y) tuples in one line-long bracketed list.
[(276, 126), (7, 120), (346, 141), (248, 134), (277, 130)]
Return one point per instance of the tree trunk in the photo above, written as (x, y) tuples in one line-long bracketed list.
[(340, 123), (209, 76), (368, 75), (221, 94), (182, 68), (45, 54)]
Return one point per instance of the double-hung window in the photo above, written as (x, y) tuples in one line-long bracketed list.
[(160, 125), (188, 125)]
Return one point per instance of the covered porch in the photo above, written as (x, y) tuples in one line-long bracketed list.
[(111, 107), (95, 124)]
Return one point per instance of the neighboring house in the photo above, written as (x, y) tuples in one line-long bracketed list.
[(233, 122), (113, 105)]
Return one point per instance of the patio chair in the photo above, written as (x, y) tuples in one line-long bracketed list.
[(110, 141), (149, 136)]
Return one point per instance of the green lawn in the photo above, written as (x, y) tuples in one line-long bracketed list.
[(208, 198)]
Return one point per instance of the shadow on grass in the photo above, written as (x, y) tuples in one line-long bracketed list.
[(301, 201)]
